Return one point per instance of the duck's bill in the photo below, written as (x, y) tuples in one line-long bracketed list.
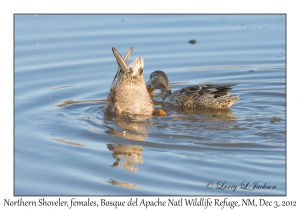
[(159, 112), (150, 90)]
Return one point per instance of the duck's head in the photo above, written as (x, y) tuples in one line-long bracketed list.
[(133, 71), (159, 80)]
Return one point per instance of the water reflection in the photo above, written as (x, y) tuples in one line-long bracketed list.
[(205, 114), (68, 142), (133, 127), (126, 134), (132, 154), (218, 115), (123, 184), (68, 102), (62, 87)]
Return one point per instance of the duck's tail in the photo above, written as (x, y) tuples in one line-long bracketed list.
[(226, 101)]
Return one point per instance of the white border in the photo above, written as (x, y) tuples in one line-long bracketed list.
[(8, 8)]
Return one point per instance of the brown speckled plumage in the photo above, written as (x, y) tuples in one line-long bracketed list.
[(128, 93), (192, 97)]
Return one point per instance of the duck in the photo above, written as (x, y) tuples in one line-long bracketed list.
[(194, 96), (128, 94)]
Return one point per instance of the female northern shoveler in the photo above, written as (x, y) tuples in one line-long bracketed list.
[(128, 93), (195, 96)]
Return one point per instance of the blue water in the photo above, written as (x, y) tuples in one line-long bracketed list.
[(66, 145)]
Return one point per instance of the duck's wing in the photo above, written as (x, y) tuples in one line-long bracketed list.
[(219, 90), (196, 91)]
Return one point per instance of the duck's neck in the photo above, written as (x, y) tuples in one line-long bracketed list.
[(165, 94)]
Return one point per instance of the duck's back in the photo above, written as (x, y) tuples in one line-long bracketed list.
[(206, 96)]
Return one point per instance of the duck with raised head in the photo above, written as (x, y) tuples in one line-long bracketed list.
[(128, 93), (192, 97)]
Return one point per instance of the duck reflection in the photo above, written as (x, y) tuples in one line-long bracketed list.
[(206, 114), (132, 127), (132, 154), (123, 184), (218, 115), (129, 127)]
